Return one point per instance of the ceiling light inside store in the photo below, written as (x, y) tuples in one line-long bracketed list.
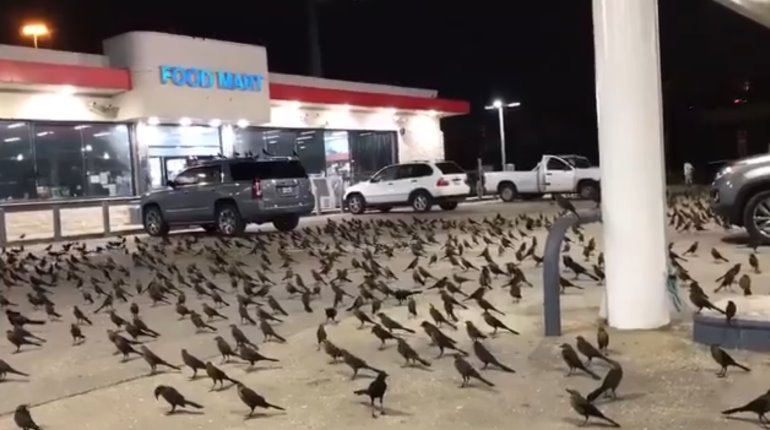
[(20, 157), (88, 148), (184, 122), (102, 134), (242, 123), (44, 133), (106, 156), (12, 139), (215, 122), (153, 120), (81, 127), (16, 125)]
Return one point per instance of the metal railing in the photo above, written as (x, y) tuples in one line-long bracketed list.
[(55, 232)]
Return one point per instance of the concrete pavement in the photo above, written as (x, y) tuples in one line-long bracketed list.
[(669, 382)]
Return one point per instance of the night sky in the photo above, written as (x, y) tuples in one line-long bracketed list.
[(537, 52)]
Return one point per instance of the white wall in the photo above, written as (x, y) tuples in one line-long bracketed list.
[(143, 53), (50, 106), (419, 135)]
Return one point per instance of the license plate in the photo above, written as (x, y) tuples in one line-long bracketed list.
[(286, 190)]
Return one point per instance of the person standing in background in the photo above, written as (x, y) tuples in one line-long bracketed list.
[(688, 172)]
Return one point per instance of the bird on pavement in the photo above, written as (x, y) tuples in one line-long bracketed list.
[(174, 398), (376, 390), (586, 409)]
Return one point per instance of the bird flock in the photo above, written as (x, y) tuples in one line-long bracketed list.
[(236, 284)]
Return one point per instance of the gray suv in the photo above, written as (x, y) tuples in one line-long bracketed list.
[(741, 195), (226, 194)]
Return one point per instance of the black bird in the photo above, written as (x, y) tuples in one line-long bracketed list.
[(217, 375), (23, 418), (724, 360), (6, 368), (409, 354), (588, 350), (565, 204), (252, 356), (586, 409), (253, 400), (759, 406), (77, 334), (467, 372), (154, 360), (376, 390), (495, 323), (573, 361), (174, 398), (609, 384), (487, 358), (193, 363)]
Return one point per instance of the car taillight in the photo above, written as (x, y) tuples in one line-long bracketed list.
[(442, 182), (256, 189)]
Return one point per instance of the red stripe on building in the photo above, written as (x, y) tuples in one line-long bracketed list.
[(364, 99), (33, 73)]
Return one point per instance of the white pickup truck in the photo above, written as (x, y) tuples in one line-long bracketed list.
[(553, 174)]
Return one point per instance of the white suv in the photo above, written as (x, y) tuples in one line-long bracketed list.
[(419, 184)]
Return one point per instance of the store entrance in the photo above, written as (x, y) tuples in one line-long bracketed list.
[(164, 169)]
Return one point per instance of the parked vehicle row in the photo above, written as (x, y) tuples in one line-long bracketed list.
[(224, 195)]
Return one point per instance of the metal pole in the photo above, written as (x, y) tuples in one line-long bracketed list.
[(34, 40), (479, 179), (106, 217), (502, 136), (314, 38), (551, 260), (3, 235), (56, 223)]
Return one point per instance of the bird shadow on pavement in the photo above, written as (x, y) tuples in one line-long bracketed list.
[(578, 422), (257, 415), (621, 398), (2, 381), (746, 420), (388, 411), (252, 369), (415, 367), (184, 412)]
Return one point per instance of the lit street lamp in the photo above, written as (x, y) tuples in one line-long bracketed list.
[(35, 31), (499, 105)]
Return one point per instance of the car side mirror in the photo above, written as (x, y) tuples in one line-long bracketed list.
[(374, 180), (171, 184)]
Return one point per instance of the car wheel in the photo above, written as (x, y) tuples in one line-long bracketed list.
[(286, 223), (448, 206), (756, 217), (229, 220), (507, 192), (153, 221), (422, 201), (356, 204), (385, 209), (209, 228), (587, 190)]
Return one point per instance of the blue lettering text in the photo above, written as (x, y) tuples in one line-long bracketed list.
[(194, 77)]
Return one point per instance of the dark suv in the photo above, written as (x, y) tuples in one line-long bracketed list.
[(226, 194)]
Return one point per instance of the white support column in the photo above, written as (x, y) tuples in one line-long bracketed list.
[(629, 110)]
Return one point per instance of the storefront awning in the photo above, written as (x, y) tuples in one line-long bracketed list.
[(36, 76), (28, 75)]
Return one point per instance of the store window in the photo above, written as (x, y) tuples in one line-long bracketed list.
[(371, 150), (337, 153), (171, 148), (41, 160), (307, 144), (17, 162)]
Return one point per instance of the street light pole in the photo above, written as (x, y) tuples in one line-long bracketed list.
[(502, 136), (499, 105), (35, 31)]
